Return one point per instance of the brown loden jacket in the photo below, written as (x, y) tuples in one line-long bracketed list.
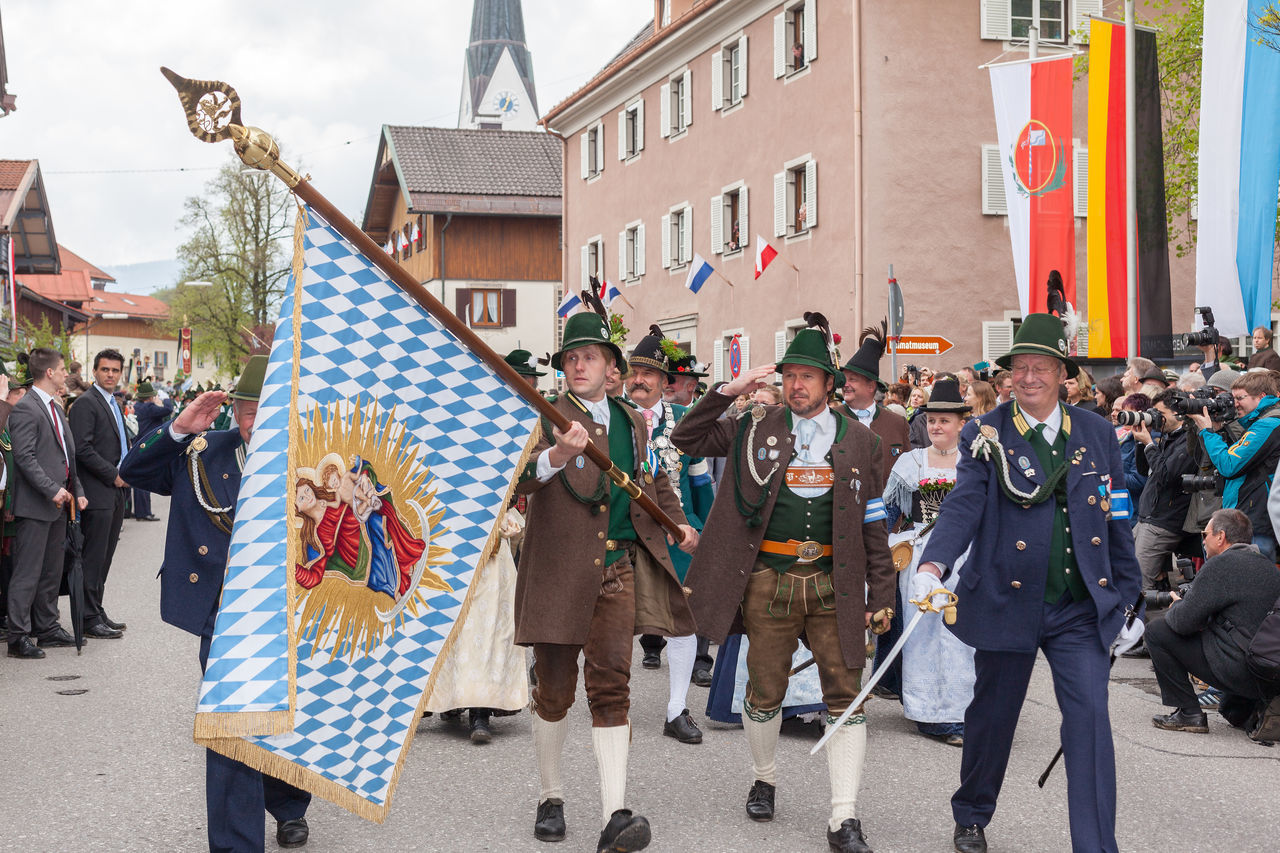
[(564, 548), (728, 548)]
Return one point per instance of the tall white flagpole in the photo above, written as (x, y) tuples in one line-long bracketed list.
[(1131, 178)]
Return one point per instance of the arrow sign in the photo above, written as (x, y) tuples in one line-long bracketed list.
[(923, 345)]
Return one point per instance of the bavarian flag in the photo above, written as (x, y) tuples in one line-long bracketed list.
[(381, 461), (1108, 277), (1033, 128)]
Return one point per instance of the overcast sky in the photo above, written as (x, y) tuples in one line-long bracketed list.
[(322, 76)]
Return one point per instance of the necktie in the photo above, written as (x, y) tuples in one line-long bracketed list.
[(806, 429), (864, 414), (57, 430), (648, 421), (124, 441), (1043, 429)]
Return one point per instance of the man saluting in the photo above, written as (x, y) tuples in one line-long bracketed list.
[(794, 537), (1052, 567)]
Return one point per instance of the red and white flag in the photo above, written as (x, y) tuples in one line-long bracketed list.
[(1033, 128), (764, 255)]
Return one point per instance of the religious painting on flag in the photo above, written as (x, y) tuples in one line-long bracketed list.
[(380, 465), (184, 350), (1107, 308), (1033, 128)]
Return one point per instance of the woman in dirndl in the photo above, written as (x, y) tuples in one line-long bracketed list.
[(937, 669)]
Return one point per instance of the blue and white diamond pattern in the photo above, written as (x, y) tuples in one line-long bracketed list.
[(361, 337)]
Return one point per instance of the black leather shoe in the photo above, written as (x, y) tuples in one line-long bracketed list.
[(969, 839), (701, 677), (624, 833), (848, 838), (760, 801), (683, 728), (651, 660), (57, 639), (1183, 721), (157, 518), (111, 623), (549, 824), (479, 720), (102, 631), (23, 647), (292, 833)]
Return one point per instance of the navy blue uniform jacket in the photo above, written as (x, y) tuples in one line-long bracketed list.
[(195, 551), (1002, 584)]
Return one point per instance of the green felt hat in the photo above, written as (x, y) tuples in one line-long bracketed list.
[(250, 385), (583, 329), (809, 347), (145, 390), (523, 362), (1040, 334)]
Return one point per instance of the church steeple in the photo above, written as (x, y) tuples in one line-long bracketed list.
[(497, 84)]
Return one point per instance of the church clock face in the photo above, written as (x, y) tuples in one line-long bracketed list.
[(506, 102)]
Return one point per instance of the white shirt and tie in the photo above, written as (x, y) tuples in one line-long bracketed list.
[(46, 400), (1052, 424), (119, 419)]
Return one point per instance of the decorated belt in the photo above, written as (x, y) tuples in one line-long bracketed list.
[(803, 477), (805, 552)]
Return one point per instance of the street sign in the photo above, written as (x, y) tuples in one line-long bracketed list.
[(735, 357), (923, 345), (897, 310)]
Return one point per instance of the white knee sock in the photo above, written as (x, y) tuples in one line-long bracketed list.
[(846, 750), (763, 740), (681, 653), (611, 745), (548, 746)]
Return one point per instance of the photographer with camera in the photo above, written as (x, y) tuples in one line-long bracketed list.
[(1248, 464), (1164, 458), (1233, 591)]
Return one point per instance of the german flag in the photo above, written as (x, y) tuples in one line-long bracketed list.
[(1107, 289)]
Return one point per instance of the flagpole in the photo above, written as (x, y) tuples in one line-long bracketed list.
[(258, 150), (1131, 180)]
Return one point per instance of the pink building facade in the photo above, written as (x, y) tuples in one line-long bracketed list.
[(744, 114)]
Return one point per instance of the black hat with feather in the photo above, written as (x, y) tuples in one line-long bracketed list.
[(649, 352), (871, 346)]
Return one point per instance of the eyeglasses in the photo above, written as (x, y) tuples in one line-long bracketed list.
[(1043, 370)]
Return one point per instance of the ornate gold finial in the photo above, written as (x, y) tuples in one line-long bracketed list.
[(213, 114)]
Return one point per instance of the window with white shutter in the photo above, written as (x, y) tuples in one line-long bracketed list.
[(593, 260), (1053, 20), (631, 130), (717, 79), (593, 150), (639, 250), (779, 345), (583, 284), (666, 240), (717, 361), (729, 219), (997, 339), (717, 224), (745, 343), (795, 37), (995, 19), (780, 204), (993, 195), (686, 99), (624, 255), (584, 147), (664, 103), (686, 235), (1081, 12), (799, 196), (1080, 176), (729, 74), (631, 252), (622, 134)]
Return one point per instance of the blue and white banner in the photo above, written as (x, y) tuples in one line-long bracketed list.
[(380, 464), (1239, 168)]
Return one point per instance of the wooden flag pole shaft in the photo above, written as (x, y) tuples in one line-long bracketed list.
[(371, 250)]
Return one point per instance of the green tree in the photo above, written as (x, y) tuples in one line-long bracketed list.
[(239, 245)]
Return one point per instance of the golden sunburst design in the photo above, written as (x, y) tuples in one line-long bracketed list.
[(358, 488)]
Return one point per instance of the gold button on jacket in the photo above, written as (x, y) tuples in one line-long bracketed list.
[(193, 577), (1097, 540), (1016, 584), (1102, 581), (1020, 545), (202, 550)]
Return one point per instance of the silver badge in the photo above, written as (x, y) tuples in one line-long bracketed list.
[(773, 454), (757, 412), (771, 440)]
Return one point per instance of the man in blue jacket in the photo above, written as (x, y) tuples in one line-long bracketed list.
[(1040, 497), (202, 511), (1249, 464)]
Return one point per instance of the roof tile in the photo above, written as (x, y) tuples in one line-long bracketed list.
[(460, 161)]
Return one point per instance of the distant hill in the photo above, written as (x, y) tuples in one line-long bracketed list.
[(145, 277)]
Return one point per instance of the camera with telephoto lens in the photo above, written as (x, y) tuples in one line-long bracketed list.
[(1215, 403), (1206, 337), (1202, 483), (1153, 419), (1160, 598)]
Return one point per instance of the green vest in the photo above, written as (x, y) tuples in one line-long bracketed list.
[(1063, 572), (622, 450), (800, 518)]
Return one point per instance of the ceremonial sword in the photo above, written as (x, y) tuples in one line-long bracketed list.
[(926, 606)]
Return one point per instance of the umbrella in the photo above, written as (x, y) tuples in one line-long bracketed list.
[(73, 575)]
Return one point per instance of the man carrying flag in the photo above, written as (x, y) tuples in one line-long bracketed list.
[(594, 570), (200, 469)]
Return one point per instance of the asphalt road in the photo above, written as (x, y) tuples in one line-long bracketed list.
[(113, 768)]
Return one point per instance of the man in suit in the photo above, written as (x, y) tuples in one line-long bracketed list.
[(101, 445), (12, 393), (795, 543), (861, 382), (202, 512), (150, 415), (594, 571), (688, 475), (45, 484), (1041, 500)]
